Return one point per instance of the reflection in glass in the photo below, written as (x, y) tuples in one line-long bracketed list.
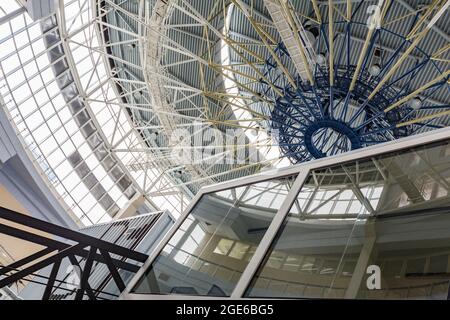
[(392, 211), (214, 244)]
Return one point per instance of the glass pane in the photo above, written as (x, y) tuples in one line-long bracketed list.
[(391, 211), (211, 249)]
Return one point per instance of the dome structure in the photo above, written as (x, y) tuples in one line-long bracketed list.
[(224, 148), (160, 97)]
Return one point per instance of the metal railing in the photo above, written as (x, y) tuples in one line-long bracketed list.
[(70, 245)]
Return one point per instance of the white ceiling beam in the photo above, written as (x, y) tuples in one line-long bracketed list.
[(294, 40)]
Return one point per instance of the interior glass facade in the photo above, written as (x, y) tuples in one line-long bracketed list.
[(389, 211), (215, 243)]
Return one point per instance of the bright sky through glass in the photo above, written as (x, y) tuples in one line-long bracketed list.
[(41, 114)]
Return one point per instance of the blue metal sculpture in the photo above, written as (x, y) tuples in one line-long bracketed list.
[(319, 120)]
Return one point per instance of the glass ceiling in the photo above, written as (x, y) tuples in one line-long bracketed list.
[(36, 69)]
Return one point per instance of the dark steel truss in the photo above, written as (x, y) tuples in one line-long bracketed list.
[(70, 245)]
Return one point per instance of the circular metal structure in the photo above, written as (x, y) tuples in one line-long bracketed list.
[(297, 80), (344, 74), (310, 125), (105, 85), (316, 119)]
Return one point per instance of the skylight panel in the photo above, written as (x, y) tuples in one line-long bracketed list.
[(51, 126)]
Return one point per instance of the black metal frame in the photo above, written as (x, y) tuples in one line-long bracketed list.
[(55, 251)]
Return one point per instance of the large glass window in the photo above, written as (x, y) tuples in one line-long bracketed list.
[(213, 246), (390, 211), (36, 88)]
